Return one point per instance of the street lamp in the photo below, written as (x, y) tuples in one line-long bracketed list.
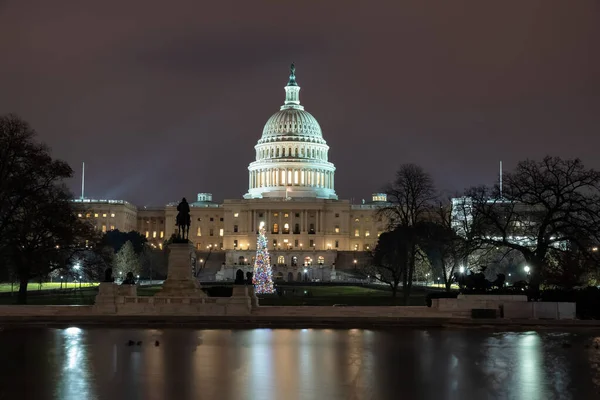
[(527, 269), (462, 270)]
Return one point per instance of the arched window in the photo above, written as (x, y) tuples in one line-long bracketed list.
[(294, 261), (286, 228), (281, 260), (321, 260), (307, 261)]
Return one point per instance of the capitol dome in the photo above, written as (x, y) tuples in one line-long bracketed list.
[(291, 155)]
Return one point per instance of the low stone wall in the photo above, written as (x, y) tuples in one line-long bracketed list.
[(493, 297), (540, 310), (122, 300), (353, 311), (514, 307)]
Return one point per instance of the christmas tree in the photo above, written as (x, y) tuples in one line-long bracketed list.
[(262, 278)]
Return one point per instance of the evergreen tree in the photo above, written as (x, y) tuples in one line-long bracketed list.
[(262, 277), (126, 261)]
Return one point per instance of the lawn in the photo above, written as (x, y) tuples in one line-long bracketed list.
[(6, 287), (339, 295)]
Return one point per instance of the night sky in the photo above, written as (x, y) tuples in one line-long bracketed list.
[(167, 99)]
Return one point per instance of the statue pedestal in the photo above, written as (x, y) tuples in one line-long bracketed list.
[(106, 298), (180, 282)]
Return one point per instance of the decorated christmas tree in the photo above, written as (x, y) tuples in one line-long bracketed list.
[(262, 278)]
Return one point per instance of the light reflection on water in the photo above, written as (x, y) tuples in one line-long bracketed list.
[(75, 363)]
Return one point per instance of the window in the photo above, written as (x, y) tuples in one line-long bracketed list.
[(103, 228), (337, 215), (297, 228), (211, 232), (104, 215), (199, 232), (212, 219), (96, 215), (311, 228), (337, 229), (147, 234), (260, 215), (356, 220), (297, 215), (357, 232), (162, 234), (112, 227), (274, 243), (276, 214), (367, 233), (235, 215), (286, 228), (221, 232), (281, 260), (337, 244), (160, 246), (275, 228), (235, 228), (112, 215), (154, 234), (312, 243), (221, 219), (321, 260), (296, 243), (235, 243), (294, 261), (367, 219), (285, 215), (80, 215)]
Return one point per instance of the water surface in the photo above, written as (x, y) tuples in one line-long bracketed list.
[(322, 364)]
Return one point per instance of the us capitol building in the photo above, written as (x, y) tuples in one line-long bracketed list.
[(312, 234)]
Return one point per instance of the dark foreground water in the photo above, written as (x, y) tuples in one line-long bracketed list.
[(86, 364)]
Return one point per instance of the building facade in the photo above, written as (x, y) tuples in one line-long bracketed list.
[(291, 188)]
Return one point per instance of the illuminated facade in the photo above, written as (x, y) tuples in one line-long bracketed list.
[(291, 189)]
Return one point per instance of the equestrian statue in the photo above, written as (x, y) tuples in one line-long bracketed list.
[(183, 220)]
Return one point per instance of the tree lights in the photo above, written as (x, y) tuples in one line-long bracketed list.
[(262, 278)]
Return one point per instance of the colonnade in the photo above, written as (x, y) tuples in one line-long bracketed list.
[(272, 177)]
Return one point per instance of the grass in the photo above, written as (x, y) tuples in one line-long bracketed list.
[(339, 295), (6, 287)]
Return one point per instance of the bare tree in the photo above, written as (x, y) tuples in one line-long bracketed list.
[(545, 207), (410, 197)]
